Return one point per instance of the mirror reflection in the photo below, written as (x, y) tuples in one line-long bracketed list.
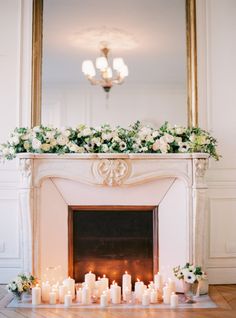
[(114, 62)]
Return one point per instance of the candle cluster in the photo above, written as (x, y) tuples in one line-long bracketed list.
[(93, 291)]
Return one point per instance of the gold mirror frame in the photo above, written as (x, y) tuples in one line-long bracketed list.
[(191, 41)]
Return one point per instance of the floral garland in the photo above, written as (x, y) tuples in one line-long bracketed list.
[(83, 139)]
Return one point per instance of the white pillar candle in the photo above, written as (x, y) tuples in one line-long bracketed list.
[(46, 288), (127, 295), (171, 285), (68, 299), (52, 298), (145, 299), (79, 295), (115, 294), (103, 300), (166, 295), (153, 296), (158, 281), (139, 289), (108, 293), (105, 281), (126, 284), (62, 290), (89, 280), (36, 295), (86, 296), (174, 300), (99, 285), (70, 285)]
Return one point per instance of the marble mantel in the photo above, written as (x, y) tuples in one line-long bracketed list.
[(117, 171)]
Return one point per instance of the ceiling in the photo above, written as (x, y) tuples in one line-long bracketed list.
[(149, 35)]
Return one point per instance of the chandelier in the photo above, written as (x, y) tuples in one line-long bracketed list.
[(106, 79)]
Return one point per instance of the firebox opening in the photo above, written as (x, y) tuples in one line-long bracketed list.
[(111, 240)]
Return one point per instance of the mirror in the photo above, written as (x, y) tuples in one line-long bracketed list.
[(151, 38)]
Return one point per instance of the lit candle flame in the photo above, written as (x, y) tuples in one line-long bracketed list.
[(69, 292), (104, 276), (113, 283), (90, 272), (138, 280), (37, 285), (126, 272), (99, 278)]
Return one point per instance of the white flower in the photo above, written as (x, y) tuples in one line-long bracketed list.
[(37, 129), (26, 145), (86, 132), (156, 145), (180, 130), (36, 144), (62, 140), (72, 147), (14, 140), (149, 138), (96, 141), (155, 134), (168, 138), (164, 148), (183, 146), (66, 133), (178, 140), (116, 139), (50, 134), (45, 147), (53, 142), (189, 277), (106, 136), (122, 145), (81, 149), (105, 148)]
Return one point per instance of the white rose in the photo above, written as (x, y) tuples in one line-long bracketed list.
[(180, 130), (156, 145), (155, 134), (50, 134), (5, 151), (36, 144), (45, 147), (106, 136), (25, 136), (73, 147), (105, 148), (116, 139), (14, 140), (81, 150), (62, 140), (37, 129), (96, 141), (66, 133), (164, 148), (149, 138), (53, 142), (168, 138), (178, 140), (26, 145), (86, 132)]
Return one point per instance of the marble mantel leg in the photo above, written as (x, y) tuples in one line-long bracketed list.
[(199, 194)]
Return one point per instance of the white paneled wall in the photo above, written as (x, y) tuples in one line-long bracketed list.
[(217, 87), (15, 63), (217, 97)]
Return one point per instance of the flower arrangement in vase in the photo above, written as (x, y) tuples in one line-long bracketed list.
[(23, 283), (191, 275)]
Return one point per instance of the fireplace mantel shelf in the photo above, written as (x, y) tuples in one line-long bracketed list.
[(135, 156)]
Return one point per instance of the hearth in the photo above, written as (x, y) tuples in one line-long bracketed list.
[(111, 240)]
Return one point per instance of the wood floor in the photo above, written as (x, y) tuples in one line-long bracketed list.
[(223, 295)]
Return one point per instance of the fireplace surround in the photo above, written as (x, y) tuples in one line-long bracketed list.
[(51, 183)]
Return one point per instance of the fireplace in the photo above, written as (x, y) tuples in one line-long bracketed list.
[(172, 182), (111, 240)]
